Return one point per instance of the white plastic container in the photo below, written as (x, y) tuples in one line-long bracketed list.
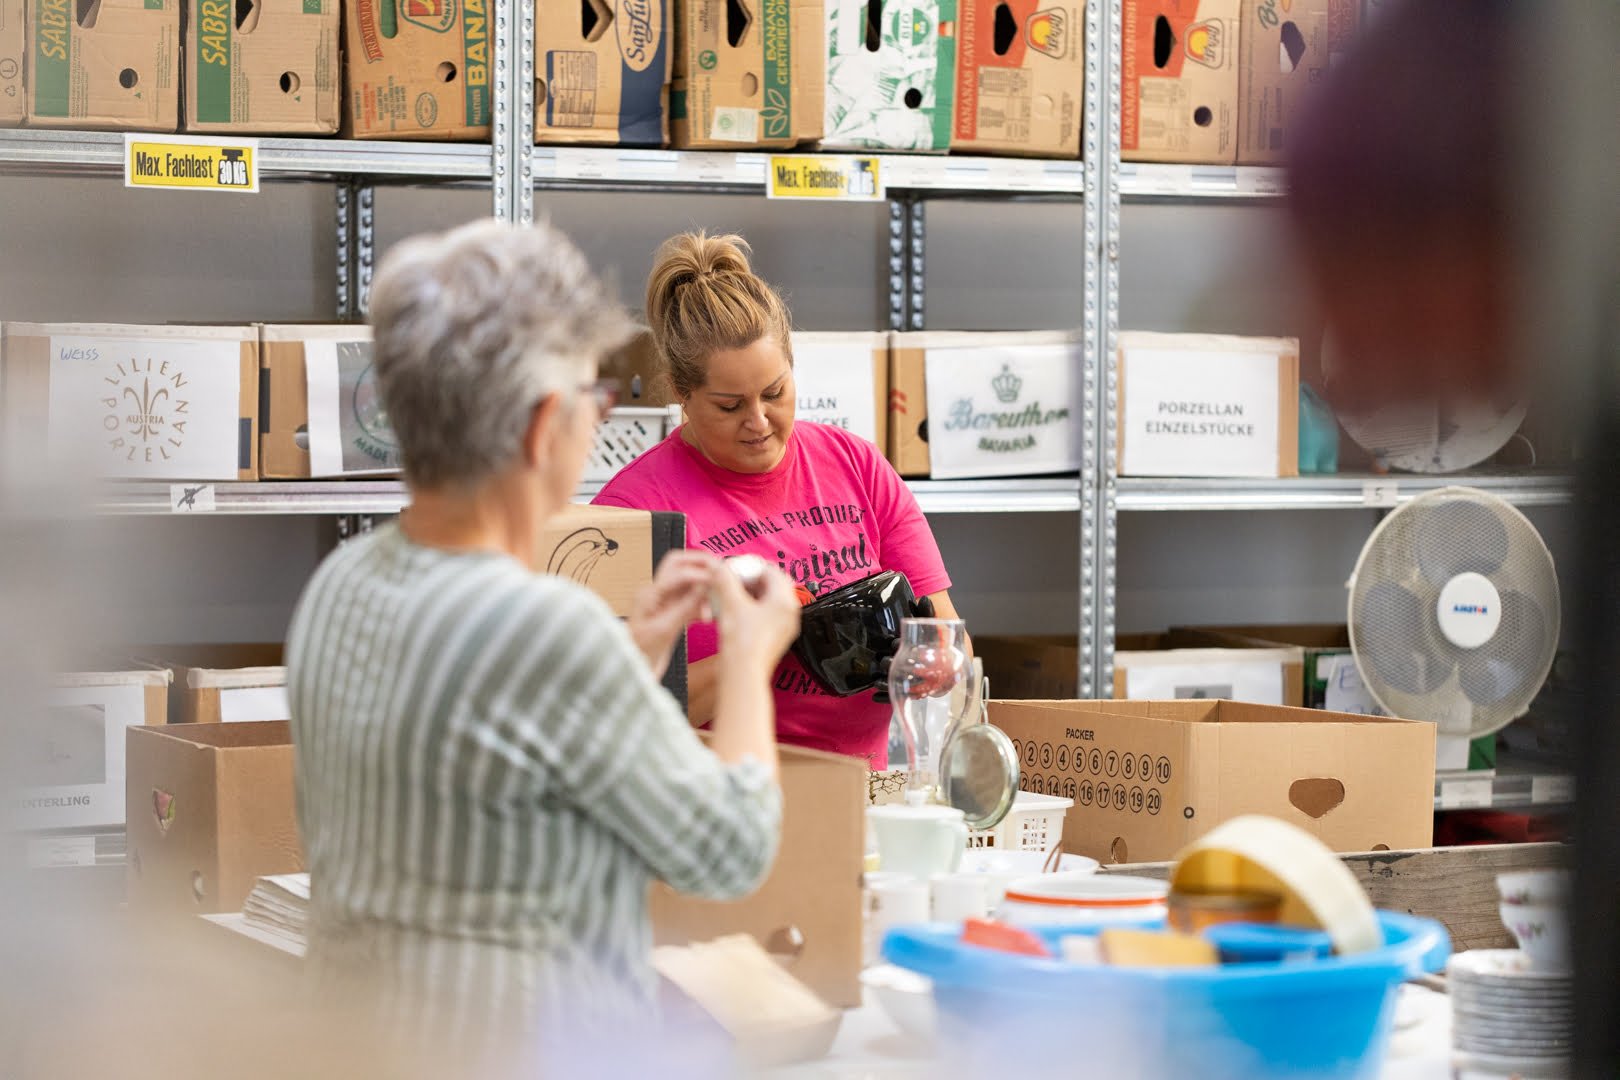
[(1034, 823)]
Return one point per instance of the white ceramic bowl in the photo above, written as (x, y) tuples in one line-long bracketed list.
[(907, 998), (1001, 867), (1085, 899), (1542, 932)]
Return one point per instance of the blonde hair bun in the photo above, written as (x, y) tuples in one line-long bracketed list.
[(703, 297)]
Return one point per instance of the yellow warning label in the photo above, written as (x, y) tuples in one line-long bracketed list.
[(156, 161), (825, 176)]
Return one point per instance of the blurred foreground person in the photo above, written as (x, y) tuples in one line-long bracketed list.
[(489, 772), (1454, 191)]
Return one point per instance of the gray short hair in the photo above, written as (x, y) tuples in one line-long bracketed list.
[(473, 327)]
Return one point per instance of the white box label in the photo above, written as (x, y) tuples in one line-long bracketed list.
[(55, 851), (1199, 412), (349, 433), (254, 703), (1261, 683), (834, 381), (70, 756), (146, 409), (1003, 410), (1554, 790)]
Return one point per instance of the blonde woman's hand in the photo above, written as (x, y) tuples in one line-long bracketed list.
[(757, 620), (677, 596)]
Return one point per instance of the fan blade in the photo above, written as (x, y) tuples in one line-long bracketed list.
[(1391, 632), (1457, 536), (1505, 666)]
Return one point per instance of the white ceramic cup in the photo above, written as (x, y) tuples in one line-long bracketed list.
[(1542, 932), (959, 897), (919, 840), (891, 900)]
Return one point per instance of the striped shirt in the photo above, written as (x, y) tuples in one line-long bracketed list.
[(489, 777)]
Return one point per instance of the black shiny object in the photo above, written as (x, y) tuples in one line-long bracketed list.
[(848, 637)]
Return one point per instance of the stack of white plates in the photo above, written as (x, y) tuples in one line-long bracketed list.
[(1509, 1019)]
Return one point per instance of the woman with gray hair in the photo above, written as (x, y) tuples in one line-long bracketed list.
[(489, 773)]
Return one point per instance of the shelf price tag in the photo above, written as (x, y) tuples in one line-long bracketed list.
[(1380, 493), (180, 162), (824, 176), (1465, 794), (1552, 790)]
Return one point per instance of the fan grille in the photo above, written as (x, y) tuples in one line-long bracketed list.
[(1405, 659)]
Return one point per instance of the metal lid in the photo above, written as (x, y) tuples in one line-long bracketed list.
[(978, 772)]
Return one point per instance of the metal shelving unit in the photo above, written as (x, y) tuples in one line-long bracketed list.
[(1142, 182), (96, 153), (380, 497), (1340, 492)]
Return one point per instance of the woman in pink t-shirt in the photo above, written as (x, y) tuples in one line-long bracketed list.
[(820, 502)]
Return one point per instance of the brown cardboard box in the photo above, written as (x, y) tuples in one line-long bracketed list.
[(210, 809), (908, 408), (134, 402), (1317, 642), (608, 549), (1047, 667), (346, 433), (70, 753), (1020, 393), (1026, 98), (1208, 405), (748, 73), (1285, 48), (119, 72), (13, 47), (838, 377), (892, 90), (602, 70), (1356, 782), (814, 888), (1179, 84), (417, 69), (276, 71), (222, 682)]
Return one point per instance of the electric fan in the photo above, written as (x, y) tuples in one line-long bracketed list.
[(1454, 612)]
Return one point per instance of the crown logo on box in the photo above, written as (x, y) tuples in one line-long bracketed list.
[(1007, 385)]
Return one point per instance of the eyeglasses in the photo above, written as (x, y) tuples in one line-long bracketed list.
[(604, 392)]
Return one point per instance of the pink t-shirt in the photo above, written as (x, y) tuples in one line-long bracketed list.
[(831, 512)]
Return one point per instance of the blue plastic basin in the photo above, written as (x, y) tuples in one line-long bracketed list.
[(1003, 1015)]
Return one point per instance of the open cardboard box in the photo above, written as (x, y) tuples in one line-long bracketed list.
[(1149, 777), (808, 911), (748, 73), (1179, 81), (13, 48), (210, 810), (110, 64), (271, 67)]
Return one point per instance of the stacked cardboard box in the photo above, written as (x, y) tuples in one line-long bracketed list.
[(972, 404), (602, 71), (891, 75), (276, 70), (417, 70), (13, 50), (748, 73), (1020, 77), (113, 65), (1208, 405), (1179, 84), (1286, 47), (134, 402), (319, 409)]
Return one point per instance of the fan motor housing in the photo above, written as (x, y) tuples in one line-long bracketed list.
[(1469, 610)]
